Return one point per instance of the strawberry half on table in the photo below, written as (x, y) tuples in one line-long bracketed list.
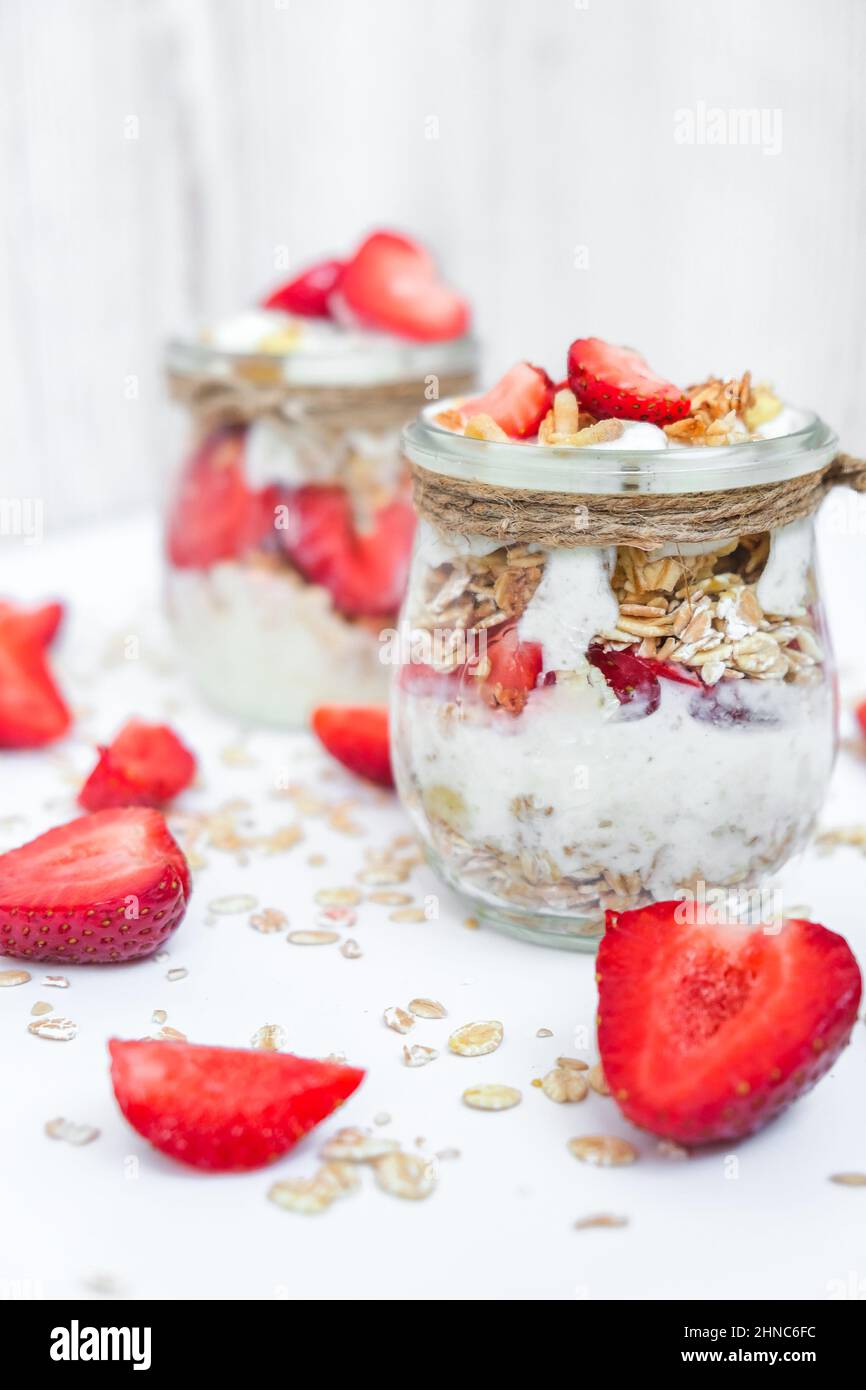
[(107, 887), (615, 382), (221, 1108), (215, 514), (144, 765), (33, 712), (707, 1032), (357, 736), (364, 571), (392, 284), (517, 403)]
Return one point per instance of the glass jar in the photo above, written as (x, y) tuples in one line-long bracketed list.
[(290, 526), (582, 727)]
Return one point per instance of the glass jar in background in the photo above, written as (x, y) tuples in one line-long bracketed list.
[(578, 727), (290, 525)]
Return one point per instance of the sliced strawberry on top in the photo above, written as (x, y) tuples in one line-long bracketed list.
[(32, 710), (307, 293), (215, 515), (364, 571), (707, 1032), (518, 402), (107, 887), (225, 1109), (391, 283), (144, 765), (615, 382), (357, 736)]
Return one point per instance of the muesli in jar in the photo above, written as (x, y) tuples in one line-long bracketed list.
[(614, 683), (289, 533)]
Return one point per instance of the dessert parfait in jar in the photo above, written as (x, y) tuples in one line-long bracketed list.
[(290, 527), (616, 684)]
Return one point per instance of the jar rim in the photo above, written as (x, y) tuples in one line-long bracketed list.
[(363, 359), (609, 471)]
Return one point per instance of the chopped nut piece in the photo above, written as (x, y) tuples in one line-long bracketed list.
[(427, 1008), (603, 1151), (483, 427), (405, 1175), (476, 1039), (565, 1084), (398, 1019), (491, 1097)]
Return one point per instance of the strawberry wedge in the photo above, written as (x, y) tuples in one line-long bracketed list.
[(33, 712), (221, 1108), (108, 887), (145, 765), (392, 284), (615, 382), (357, 736), (309, 292), (707, 1032), (518, 402)]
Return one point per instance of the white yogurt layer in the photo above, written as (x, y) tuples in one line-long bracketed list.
[(637, 434), (669, 796), (783, 587), (573, 602), (264, 645)]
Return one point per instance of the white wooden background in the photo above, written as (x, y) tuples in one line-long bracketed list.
[(157, 155)]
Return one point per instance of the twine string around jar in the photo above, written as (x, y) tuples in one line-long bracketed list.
[(642, 520)]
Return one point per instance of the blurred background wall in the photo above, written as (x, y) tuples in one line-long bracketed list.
[(157, 158)]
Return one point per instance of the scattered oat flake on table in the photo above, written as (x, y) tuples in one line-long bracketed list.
[(595, 1077), (386, 898), (544, 1033), (564, 1084), (40, 1008), (342, 918), (850, 836), (352, 1145), (382, 878), (573, 1063), (427, 1008), (158, 1016), (602, 1150), (601, 1218), (669, 1148), (476, 1039), (13, 977), (316, 861), (55, 982), (405, 1175), (407, 914), (398, 1019), (232, 903), (312, 938), (351, 950), (53, 1029), (849, 1179), (337, 897), (270, 1037), (270, 919), (171, 1035), (236, 755), (446, 1154), (304, 1195), (383, 1118), (491, 1097), (70, 1132), (418, 1055), (177, 972)]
